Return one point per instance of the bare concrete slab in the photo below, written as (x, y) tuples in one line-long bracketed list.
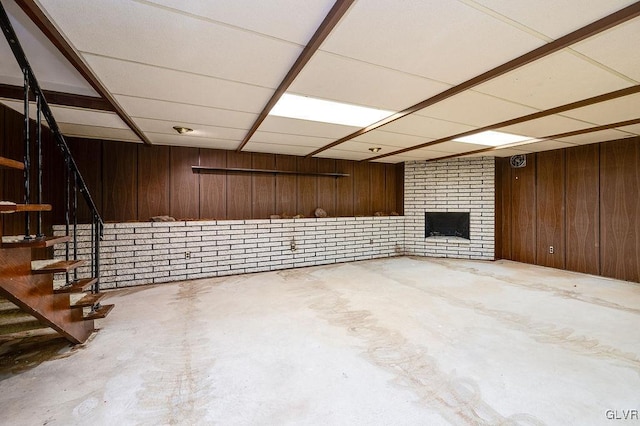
[(400, 341)]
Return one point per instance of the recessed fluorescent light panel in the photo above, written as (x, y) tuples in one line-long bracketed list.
[(306, 108), (492, 138)]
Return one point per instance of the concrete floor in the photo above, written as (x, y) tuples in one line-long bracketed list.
[(400, 341)]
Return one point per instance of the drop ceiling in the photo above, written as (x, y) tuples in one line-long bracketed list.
[(215, 66)]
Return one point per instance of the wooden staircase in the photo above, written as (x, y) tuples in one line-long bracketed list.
[(29, 287), (25, 282)]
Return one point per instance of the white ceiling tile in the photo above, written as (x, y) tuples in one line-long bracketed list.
[(126, 78), (193, 141), (210, 132), (304, 127), (18, 106), (620, 109), (475, 109), (546, 145), (341, 154), (388, 160), (505, 152), (274, 148), (443, 40), (93, 132), (552, 81), (72, 115), (395, 159), (182, 113), (380, 137), (337, 78), (634, 128), (426, 127), (88, 117), (616, 48), (455, 147), (289, 139), (52, 70), (426, 154), (286, 19), (546, 126), (595, 137), (555, 18), (363, 147), (156, 36)]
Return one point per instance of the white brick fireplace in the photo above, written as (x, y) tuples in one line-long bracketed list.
[(457, 185)]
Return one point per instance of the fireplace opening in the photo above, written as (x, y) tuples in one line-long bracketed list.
[(451, 224)]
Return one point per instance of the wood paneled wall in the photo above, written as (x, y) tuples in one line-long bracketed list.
[(583, 209), (620, 210), (139, 182), (12, 181), (132, 182), (582, 201)]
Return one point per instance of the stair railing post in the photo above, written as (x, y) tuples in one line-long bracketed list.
[(67, 197), (39, 233), (99, 234), (75, 223), (27, 156), (94, 231)]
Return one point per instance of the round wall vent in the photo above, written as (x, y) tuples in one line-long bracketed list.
[(518, 161)]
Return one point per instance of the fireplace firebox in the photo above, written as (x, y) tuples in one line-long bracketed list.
[(449, 224)]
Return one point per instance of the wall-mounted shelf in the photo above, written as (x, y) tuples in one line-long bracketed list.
[(201, 169)]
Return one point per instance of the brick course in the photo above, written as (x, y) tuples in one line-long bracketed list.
[(150, 253)]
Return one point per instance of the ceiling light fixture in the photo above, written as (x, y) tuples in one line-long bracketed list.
[(492, 138), (182, 130), (376, 149), (312, 109)]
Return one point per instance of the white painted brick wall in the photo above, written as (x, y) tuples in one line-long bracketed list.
[(456, 185), (149, 253)]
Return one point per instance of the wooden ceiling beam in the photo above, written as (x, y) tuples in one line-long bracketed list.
[(567, 40), (536, 115), (8, 91), (33, 11), (336, 13)]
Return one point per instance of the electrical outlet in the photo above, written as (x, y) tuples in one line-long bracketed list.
[(293, 245), (187, 255), (550, 249)]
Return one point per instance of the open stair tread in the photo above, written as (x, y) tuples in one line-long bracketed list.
[(77, 286), (101, 312), (11, 164), (54, 266), (17, 241), (88, 300), (11, 207)]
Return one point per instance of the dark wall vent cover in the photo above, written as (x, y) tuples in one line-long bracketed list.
[(518, 161)]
